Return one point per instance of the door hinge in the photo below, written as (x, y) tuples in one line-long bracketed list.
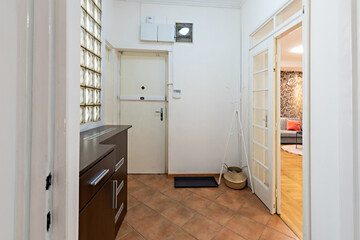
[(48, 221), (48, 181), (303, 9), (276, 193), (274, 69)]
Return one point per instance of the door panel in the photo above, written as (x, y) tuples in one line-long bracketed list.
[(261, 88), (143, 76)]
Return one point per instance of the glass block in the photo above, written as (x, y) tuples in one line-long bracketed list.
[(90, 8), (83, 57), (91, 27), (91, 60), (97, 80), (83, 3), (82, 76), (98, 16), (82, 94), (99, 3), (89, 96), (88, 59), (83, 18), (96, 114), (97, 63), (82, 115), (89, 79), (88, 3), (97, 97), (83, 37), (99, 48), (89, 114), (90, 44), (88, 19)]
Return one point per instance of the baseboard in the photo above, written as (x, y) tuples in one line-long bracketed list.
[(194, 175)]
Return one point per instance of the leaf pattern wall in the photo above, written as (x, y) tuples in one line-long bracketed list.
[(291, 89)]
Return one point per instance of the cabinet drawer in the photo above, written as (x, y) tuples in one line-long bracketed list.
[(96, 220), (93, 179)]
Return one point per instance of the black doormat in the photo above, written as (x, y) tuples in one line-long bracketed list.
[(195, 182)]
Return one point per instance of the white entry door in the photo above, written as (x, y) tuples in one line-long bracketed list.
[(261, 122), (143, 105)]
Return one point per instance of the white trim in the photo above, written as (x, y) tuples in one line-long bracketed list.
[(261, 71), (197, 3), (141, 98), (306, 122)]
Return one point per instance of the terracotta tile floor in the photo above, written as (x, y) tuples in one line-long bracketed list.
[(157, 210)]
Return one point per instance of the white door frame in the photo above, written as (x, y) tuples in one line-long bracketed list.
[(305, 20), (168, 86), (48, 119)]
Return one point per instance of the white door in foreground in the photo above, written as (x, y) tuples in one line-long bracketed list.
[(143, 105), (261, 122)]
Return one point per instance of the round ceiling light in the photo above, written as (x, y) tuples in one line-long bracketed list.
[(184, 31)]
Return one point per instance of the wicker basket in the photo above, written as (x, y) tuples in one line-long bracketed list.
[(234, 178)]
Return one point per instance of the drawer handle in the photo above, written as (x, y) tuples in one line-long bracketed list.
[(99, 177), (118, 190), (119, 212), (114, 182), (119, 164)]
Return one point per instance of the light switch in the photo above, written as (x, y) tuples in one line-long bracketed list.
[(148, 32)]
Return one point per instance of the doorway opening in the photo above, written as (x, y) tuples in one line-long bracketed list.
[(289, 117), (143, 104)]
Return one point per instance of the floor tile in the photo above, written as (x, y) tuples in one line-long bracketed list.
[(132, 202), (144, 194), (278, 224), (226, 234), (218, 213), (139, 215), (157, 229), (124, 229), (162, 185), (178, 214), (159, 202), (209, 193), (131, 177), (180, 235), (256, 212), (132, 236), (201, 227), (230, 201), (177, 194), (270, 234), (195, 202), (135, 185), (148, 178), (245, 227)]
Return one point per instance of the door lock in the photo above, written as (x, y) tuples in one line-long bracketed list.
[(161, 114)]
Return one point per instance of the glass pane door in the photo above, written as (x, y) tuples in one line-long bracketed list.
[(261, 122)]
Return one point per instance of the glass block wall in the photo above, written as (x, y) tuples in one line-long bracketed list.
[(90, 61)]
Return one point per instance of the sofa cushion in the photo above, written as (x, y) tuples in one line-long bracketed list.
[(293, 125), (288, 133), (283, 122)]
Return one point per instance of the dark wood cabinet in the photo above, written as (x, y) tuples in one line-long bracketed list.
[(103, 182)]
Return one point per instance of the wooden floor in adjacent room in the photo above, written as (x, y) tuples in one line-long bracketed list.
[(291, 191)]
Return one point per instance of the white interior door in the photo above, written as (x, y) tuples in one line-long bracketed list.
[(261, 122), (143, 105)]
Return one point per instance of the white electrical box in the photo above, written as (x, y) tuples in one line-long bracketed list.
[(166, 33), (148, 32)]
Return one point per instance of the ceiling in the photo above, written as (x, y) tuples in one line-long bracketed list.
[(203, 3), (287, 43)]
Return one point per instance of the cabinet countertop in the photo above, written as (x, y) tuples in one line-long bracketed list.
[(92, 148)]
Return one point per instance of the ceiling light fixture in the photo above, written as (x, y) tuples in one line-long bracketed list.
[(298, 49), (184, 31)]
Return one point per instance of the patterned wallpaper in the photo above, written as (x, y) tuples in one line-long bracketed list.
[(291, 94)]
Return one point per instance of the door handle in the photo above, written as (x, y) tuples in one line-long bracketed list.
[(98, 178), (161, 114)]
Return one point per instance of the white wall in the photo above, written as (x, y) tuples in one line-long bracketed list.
[(206, 71), (8, 96)]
